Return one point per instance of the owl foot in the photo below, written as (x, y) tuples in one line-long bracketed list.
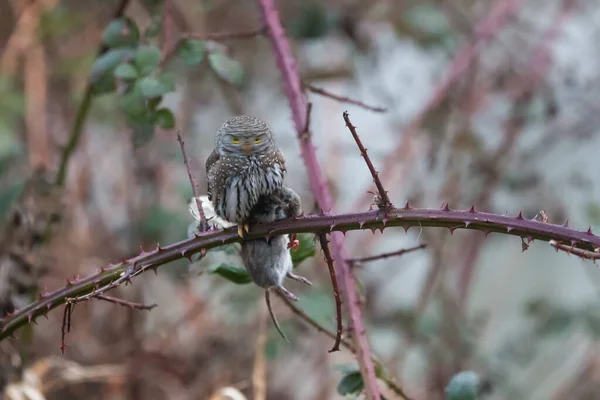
[(287, 293), (272, 314), (243, 228), (299, 278)]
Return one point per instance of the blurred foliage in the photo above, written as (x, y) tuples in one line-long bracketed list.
[(426, 23), (313, 20), (463, 386), (552, 319)]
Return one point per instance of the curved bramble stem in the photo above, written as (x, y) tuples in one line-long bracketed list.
[(406, 217)]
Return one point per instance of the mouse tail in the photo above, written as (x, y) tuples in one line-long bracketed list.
[(273, 318)]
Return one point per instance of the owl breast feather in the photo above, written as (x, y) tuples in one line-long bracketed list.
[(244, 186)]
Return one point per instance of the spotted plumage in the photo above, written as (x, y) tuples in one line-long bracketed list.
[(244, 166)]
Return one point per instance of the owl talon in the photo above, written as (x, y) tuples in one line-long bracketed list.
[(246, 227), (240, 230), (299, 278)]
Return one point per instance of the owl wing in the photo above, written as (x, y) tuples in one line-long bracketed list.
[(211, 162), (280, 159)]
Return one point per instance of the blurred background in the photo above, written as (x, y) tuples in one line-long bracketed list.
[(489, 103)]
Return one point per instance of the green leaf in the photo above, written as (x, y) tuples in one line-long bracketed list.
[(351, 384), (306, 248), (133, 103), (126, 71), (164, 118), (153, 103), (101, 75), (152, 87), (122, 32), (147, 59), (232, 273), (192, 51), (226, 68), (143, 131), (463, 386)]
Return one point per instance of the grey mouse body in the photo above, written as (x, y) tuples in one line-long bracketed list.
[(269, 262)]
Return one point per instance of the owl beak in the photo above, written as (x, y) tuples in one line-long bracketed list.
[(247, 148)]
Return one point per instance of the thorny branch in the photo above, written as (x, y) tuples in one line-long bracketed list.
[(126, 303), (344, 342), (336, 291), (382, 256), (342, 99), (383, 201), (202, 224), (586, 254), (405, 217), (293, 90)]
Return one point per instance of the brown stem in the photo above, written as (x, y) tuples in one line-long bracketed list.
[(126, 303), (202, 224), (225, 35), (384, 202), (342, 99), (382, 256), (336, 292), (588, 255)]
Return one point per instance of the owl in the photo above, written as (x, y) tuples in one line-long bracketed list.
[(244, 166)]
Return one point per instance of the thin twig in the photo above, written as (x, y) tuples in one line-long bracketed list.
[(126, 303), (225, 35), (344, 342), (202, 224), (336, 291), (588, 255), (384, 202), (83, 111), (342, 99), (362, 260), (293, 90), (65, 326)]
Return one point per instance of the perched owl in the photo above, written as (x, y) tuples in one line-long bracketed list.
[(269, 262), (244, 166)]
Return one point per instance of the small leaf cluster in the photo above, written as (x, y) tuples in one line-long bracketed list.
[(195, 51), (352, 383), (131, 67)]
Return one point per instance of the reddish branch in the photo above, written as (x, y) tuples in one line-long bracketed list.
[(405, 217), (202, 224), (342, 99), (587, 254), (293, 90), (126, 303), (336, 292), (383, 202), (385, 255)]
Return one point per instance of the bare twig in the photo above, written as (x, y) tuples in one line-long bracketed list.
[(293, 90), (336, 291), (83, 111), (342, 99), (587, 254), (398, 253), (344, 342), (65, 326), (126, 303), (202, 224), (384, 202), (225, 35), (405, 217)]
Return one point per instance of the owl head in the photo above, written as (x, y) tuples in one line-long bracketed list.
[(244, 136)]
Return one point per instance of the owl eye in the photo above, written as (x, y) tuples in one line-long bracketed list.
[(235, 140), (257, 140)]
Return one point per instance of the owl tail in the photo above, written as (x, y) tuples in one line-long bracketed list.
[(268, 301)]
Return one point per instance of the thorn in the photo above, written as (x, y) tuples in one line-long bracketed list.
[(445, 207), (407, 207), (45, 315), (49, 306), (520, 216), (472, 209), (508, 229), (373, 230), (40, 296), (158, 248), (69, 283), (486, 233), (155, 269), (321, 213), (361, 224), (566, 224), (331, 227), (589, 231), (529, 239), (467, 223), (406, 228), (385, 220), (451, 230), (382, 228)]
